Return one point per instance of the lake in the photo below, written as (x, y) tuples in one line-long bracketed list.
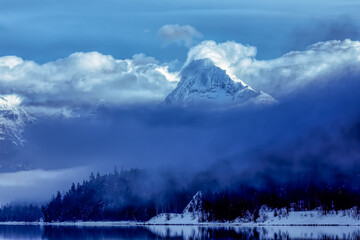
[(177, 232)]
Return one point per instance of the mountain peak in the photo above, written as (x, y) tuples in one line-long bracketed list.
[(202, 82)]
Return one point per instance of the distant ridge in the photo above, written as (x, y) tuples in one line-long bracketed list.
[(13, 119)]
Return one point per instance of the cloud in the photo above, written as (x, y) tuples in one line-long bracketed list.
[(10, 61), (181, 35), (85, 79), (224, 55), (29, 185), (187, 141), (81, 82), (289, 73), (190, 140)]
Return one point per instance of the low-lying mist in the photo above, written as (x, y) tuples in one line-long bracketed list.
[(312, 135)]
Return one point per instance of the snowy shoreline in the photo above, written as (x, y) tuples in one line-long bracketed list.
[(193, 215), (139, 224)]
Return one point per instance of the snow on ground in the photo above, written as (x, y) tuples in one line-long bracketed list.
[(174, 218), (195, 215), (192, 214), (313, 217), (304, 218)]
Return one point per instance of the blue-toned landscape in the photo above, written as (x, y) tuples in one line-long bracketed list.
[(179, 119)]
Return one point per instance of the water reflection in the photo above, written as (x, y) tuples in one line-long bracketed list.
[(92, 233), (177, 232), (20, 232)]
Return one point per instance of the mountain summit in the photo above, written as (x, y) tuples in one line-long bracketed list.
[(202, 82)]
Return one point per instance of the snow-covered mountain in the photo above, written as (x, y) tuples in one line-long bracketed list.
[(13, 119), (202, 83)]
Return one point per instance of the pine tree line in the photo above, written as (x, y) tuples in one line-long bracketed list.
[(129, 195), (125, 195), (20, 213)]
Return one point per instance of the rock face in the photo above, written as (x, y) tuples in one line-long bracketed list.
[(13, 119), (204, 83), (195, 205), (193, 213)]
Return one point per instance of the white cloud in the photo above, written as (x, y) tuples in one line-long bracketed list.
[(10, 61), (181, 35), (85, 79), (65, 86), (290, 72)]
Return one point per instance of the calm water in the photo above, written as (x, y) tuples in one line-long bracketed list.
[(177, 232)]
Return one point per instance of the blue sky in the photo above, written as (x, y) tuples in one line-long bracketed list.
[(45, 30)]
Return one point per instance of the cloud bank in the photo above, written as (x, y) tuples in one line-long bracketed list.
[(84, 79), (287, 74), (292, 134), (81, 82), (180, 34)]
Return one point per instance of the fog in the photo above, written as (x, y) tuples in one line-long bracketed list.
[(315, 129)]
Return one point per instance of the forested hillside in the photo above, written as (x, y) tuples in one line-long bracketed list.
[(125, 195), (131, 195), (20, 213)]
